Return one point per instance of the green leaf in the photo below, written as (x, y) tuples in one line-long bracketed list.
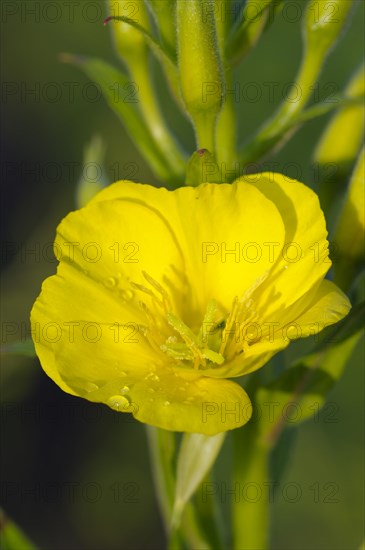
[(114, 85), (11, 537), (25, 348), (196, 456), (161, 53), (300, 392)]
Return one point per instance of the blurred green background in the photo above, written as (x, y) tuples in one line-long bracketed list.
[(76, 475)]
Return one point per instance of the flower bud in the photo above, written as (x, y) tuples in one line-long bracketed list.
[(92, 179), (350, 232), (323, 23), (201, 75), (342, 138), (129, 41), (164, 13)]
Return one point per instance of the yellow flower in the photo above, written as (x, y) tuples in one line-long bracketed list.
[(160, 296)]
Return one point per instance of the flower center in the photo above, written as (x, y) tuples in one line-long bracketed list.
[(220, 337)]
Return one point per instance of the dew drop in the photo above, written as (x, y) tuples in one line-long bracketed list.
[(122, 373), (152, 376), (90, 386), (286, 266), (124, 390), (126, 294), (167, 403), (118, 403), (111, 282)]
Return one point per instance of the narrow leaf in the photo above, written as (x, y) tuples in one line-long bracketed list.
[(25, 348), (120, 94), (11, 537), (196, 456)]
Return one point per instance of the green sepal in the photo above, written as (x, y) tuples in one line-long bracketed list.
[(202, 168)]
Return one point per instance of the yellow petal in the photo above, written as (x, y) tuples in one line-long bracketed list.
[(181, 401), (304, 260), (329, 305), (224, 232)]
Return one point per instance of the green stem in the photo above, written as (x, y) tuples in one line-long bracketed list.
[(205, 124), (275, 132), (226, 129), (250, 514), (162, 451), (154, 119)]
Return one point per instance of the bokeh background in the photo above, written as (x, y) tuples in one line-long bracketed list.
[(76, 475)]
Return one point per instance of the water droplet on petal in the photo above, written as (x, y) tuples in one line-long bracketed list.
[(152, 376), (90, 386), (119, 403), (124, 390), (122, 373), (126, 294), (111, 282), (286, 266), (167, 403)]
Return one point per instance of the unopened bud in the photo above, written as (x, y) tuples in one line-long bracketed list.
[(201, 75), (323, 23), (342, 138), (350, 233), (129, 41)]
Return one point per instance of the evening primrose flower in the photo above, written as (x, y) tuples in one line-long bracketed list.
[(161, 296)]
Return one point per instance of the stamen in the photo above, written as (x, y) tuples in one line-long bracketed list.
[(227, 329), (189, 338), (159, 288), (142, 288)]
